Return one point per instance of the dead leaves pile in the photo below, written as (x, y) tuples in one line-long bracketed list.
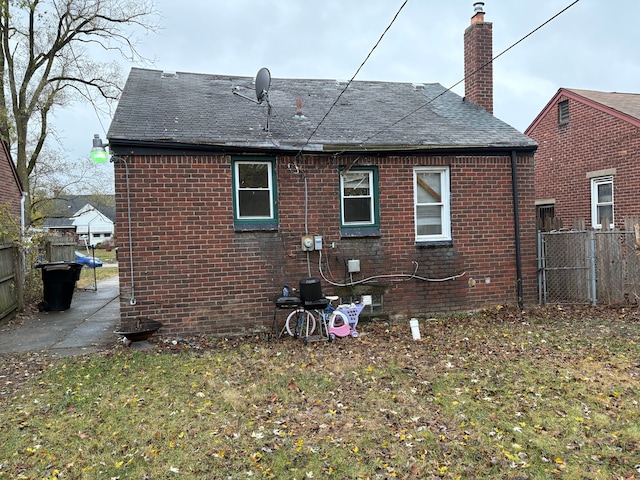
[(494, 394)]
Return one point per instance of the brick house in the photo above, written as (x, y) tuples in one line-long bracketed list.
[(404, 191), (587, 163), (11, 191)]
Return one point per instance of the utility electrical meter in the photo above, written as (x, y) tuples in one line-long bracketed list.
[(307, 242)]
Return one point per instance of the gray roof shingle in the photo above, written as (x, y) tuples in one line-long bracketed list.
[(201, 109), (62, 209)]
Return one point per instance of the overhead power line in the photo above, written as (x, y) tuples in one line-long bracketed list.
[(417, 109), (412, 112), (354, 75)]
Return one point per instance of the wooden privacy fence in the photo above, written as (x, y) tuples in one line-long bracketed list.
[(8, 299), (11, 276), (60, 249), (589, 267)]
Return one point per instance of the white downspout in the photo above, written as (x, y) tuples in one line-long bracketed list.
[(23, 220), (23, 228)]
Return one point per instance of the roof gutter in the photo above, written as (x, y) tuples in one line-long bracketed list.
[(151, 147)]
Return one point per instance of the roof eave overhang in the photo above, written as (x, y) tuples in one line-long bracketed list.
[(155, 148)]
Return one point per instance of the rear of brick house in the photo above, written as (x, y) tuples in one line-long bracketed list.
[(11, 191), (587, 164), (411, 180)]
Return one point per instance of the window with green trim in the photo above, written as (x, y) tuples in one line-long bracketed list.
[(254, 191), (359, 197)]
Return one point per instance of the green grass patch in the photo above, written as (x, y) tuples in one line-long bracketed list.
[(491, 395), (88, 277)]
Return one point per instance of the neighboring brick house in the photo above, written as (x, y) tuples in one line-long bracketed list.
[(412, 181), (588, 162), (11, 191)]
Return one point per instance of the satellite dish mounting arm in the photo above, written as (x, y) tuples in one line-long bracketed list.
[(263, 83), (235, 92)]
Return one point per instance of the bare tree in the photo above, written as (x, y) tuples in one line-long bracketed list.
[(46, 63), (56, 176)]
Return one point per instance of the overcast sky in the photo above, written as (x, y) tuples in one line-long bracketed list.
[(593, 45)]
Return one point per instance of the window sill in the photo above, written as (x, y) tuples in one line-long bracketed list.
[(360, 232), (434, 243), (255, 227)]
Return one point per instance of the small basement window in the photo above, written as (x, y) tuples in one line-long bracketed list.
[(376, 307)]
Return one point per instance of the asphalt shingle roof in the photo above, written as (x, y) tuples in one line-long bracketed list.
[(627, 103), (63, 208), (201, 109)]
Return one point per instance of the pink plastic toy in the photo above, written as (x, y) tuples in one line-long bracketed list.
[(344, 322)]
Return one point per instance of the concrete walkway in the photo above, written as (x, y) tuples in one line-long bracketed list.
[(86, 327)]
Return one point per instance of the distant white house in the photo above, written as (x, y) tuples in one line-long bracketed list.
[(92, 226), (89, 217)]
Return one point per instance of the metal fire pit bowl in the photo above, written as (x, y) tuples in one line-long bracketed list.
[(139, 329)]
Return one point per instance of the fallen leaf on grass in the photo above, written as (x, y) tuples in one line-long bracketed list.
[(292, 385)]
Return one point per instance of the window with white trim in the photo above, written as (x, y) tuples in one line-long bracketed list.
[(431, 200), (601, 201), (254, 191), (358, 197)]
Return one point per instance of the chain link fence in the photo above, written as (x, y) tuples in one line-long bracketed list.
[(581, 267)]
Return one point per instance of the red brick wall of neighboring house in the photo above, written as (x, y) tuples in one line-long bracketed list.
[(195, 274), (10, 193), (591, 141)]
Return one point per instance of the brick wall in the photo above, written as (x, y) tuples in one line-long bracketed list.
[(194, 273), (478, 67), (10, 192), (592, 140)]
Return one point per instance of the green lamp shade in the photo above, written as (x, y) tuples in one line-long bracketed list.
[(98, 156)]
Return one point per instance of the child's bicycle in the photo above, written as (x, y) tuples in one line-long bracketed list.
[(300, 323), (333, 321)]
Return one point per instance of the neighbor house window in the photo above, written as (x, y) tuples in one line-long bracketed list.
[(254, 192), (359, 197), (432, 209), (601, 201), (563, 112), (545, 217)]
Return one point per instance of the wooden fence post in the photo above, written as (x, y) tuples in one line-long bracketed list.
[(8, 280)]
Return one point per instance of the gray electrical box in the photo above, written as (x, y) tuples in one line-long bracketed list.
[(317, 242), (353, 266)]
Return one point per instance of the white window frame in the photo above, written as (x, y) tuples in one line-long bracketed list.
[(270, 188), (444, 204), (371, 197), (595, 204)]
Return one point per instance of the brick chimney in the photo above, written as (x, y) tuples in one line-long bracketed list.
[(478, 52)]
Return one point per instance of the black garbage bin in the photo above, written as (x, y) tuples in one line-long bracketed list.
[(58, 281)]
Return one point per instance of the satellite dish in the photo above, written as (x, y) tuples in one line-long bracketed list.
[(263, 82)]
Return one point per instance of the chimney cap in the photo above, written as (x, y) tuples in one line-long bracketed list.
[(478, 7), (478, 13)]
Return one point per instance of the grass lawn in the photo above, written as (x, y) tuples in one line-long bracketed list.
[(87, 279), (496, 395)]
